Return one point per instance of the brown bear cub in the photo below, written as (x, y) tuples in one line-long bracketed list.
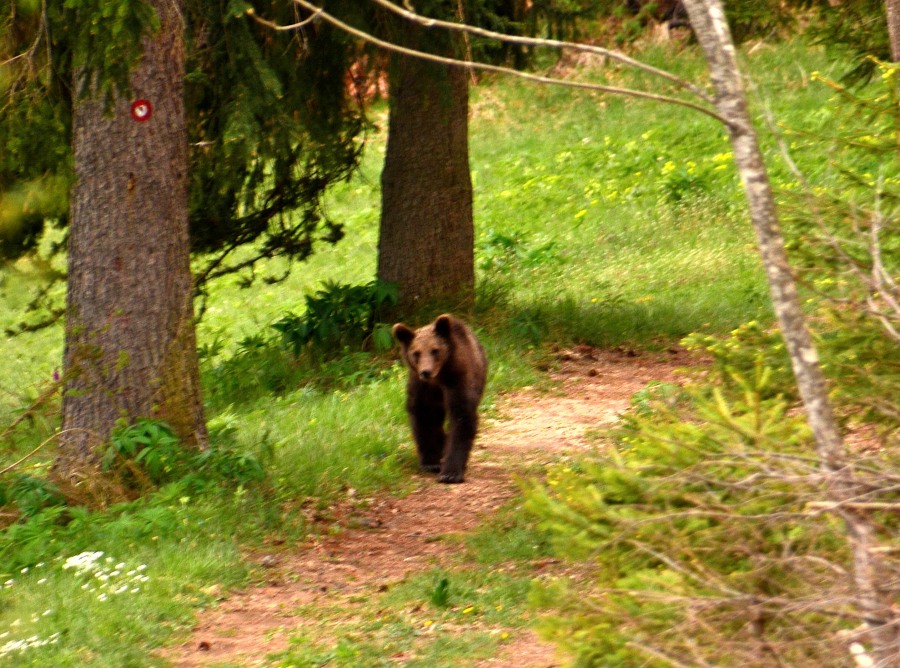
[(447, 371)]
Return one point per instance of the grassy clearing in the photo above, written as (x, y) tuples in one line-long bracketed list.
[(599, 220)]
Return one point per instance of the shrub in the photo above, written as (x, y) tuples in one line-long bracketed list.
[(701, 533), (341, 315), (145, 453), (707, 524), (30, 494), (329, 344)]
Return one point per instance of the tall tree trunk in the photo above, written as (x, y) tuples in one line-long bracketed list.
[(130, 347), (711, 28), (426, 243)]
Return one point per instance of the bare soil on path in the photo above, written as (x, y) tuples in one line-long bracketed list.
[(392, 537)]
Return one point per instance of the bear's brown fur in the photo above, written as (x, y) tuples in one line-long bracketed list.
[(447, 372)]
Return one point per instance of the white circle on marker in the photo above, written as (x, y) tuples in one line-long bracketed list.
[(141, 110)]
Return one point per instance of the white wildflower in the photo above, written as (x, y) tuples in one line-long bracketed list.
[(13, 646), (86, 561)]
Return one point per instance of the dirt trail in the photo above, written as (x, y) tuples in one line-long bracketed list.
[(394, 537)]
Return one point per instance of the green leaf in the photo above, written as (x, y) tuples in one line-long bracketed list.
[(237, 8)]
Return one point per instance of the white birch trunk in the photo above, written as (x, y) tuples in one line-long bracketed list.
[(892, 11), (711, 28)]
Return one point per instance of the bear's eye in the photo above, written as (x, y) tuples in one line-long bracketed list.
[(416, 356), (435, 352)]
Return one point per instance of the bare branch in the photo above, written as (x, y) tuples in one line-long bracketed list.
[(551, 43), (870, 505), (28, 54), (444, 60), (712, 580), (39, 447), (660, 656), (43, 398), (275, 26)]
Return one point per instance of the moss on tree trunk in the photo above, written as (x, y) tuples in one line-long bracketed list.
[(130, 347)]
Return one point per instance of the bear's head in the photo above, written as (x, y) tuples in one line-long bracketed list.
[(427, 348)]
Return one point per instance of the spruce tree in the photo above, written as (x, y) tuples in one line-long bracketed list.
[(269, 124), (175, 126)]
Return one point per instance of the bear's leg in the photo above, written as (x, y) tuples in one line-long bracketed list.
[(426, 415), (463, 426)]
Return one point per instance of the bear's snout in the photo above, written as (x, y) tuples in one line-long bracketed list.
[(425, 374)]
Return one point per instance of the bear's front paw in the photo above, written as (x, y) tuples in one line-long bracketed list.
[(450, 478)]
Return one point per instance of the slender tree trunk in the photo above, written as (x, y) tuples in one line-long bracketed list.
[(130, 347), (892, 9), (892, 13), (426, 242), (711, 28)]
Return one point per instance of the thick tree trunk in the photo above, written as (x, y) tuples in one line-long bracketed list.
[(711, 28), (130, 346), (426, 243)]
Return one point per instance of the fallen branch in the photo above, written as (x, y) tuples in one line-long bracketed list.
[(38, 448), (869, 505)]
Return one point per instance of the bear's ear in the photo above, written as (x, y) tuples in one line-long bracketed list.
[(403, 333), (443, 324)]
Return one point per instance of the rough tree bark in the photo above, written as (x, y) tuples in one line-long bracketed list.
[(711, 28), (426, 242), (130, 348)]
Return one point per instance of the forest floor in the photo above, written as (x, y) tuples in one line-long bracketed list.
[(388, 538)]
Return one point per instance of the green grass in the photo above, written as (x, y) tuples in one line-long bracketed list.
[(598, 219), (455, 615), (507, 537), (326, 442), (152, 575), (483, 609)]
